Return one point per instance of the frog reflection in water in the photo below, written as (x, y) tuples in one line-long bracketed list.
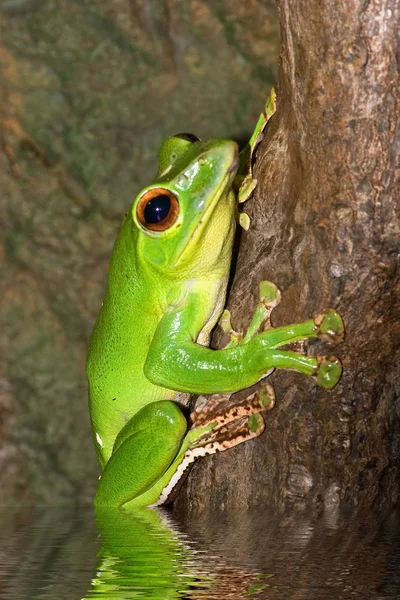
[(149, 348), (143, 554)]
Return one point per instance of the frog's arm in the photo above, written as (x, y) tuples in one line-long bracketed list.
[(177, 362)]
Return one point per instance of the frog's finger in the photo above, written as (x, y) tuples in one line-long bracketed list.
[(244, 221), (269, 293), (266, 395), (246, 189), (270, 297), (327, 326), (260, 315), (327, 370), (269, 110)]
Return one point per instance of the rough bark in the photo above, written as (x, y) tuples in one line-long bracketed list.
[(325, 228)]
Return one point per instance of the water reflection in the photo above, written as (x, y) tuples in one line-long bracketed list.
[(55, 553), (47, 554), (144, 555)]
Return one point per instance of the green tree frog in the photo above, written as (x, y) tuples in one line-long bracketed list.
[(149, 348)]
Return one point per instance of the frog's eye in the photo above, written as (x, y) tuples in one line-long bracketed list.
[(189, 137), (157, 209)]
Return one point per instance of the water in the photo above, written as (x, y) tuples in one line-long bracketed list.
[(68, 554)]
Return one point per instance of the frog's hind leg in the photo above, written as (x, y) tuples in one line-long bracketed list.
[(142, 453), (217, 425), (234, 422)]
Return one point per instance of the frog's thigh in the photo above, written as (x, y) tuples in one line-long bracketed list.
[(142, 453)]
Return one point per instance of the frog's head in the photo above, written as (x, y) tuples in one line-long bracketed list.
[(186, 217)]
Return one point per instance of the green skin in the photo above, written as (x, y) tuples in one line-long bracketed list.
[(140, 550), (166, 291)]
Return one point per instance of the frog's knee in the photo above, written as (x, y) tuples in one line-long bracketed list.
[(167, 414), (164, 416)]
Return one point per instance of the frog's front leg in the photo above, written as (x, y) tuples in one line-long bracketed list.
[(175, 361)]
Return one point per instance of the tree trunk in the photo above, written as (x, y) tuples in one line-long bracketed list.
[(325, 229)]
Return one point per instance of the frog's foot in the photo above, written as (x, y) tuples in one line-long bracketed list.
[(245, 183), (247, 154), (200, 442), (230, 435), (219, 424), (219, 408), (327, 326)]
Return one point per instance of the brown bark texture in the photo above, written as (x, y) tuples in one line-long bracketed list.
[(325, 229)]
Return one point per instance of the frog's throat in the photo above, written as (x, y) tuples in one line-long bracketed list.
[(224, 189)]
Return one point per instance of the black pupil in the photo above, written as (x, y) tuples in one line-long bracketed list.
[(157, 209)]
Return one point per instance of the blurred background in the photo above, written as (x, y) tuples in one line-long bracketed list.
[(89, 89)]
